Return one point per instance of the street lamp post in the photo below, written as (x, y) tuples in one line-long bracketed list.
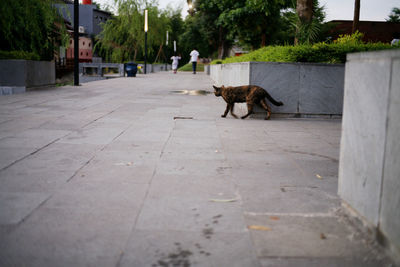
[(146, 27), (76, 42), (166, 53)]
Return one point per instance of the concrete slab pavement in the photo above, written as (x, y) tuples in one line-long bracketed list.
[(103, 175)]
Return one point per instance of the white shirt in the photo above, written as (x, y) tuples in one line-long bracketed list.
[(175, 61), (194, 55)]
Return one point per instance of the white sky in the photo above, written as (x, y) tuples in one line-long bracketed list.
[(376, 10)]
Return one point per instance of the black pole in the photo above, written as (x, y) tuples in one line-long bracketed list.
[(145, 52), (76, 42), (166, 58)]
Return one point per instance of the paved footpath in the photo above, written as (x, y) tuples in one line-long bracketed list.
[(127, 172)]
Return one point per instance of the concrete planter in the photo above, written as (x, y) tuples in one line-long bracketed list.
[(160, 67), (369, 166), (17, 75), (305, 89)]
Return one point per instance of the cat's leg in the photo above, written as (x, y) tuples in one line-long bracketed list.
[(232, 111), (249, 110), (226, 110), (265, 105)]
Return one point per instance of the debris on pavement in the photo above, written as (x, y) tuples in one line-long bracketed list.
[(259, 227)]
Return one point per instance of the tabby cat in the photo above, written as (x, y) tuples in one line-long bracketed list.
[(251, 94)]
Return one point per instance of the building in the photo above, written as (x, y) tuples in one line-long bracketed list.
[(374, 31), (90, 20)]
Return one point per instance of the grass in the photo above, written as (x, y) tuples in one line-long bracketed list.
[(188, 67)]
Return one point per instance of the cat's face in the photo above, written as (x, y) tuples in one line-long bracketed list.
[(218, 90)]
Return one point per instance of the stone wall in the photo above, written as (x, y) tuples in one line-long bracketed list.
[(315, 89), (369, 169), (17, 75)]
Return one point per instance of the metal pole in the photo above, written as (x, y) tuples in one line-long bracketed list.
[(76, 42), (145, 52), (146, 28), (166, 53)]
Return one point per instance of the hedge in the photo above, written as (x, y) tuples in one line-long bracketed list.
[(18, 55), (317, 53)]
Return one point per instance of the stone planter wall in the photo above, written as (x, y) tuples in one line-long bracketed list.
[(314, 89), (369, 169), (17, 75)]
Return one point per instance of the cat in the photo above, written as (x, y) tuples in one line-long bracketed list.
[(251, 94)]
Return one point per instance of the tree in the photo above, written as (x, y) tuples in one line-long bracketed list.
[(122, 38), (31, 26), (308, 30), (356, 18), (394, 16), (216, 33), (254, 22), (304, 10)]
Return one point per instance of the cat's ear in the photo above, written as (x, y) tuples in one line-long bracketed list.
[(216, 88)]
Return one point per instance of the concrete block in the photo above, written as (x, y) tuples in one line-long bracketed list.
[(10, 90), (321, 89), (207, 69), (281, 80), (25, 73), (363, 138), (231, 74), (40, 73), (390, 213), (369, 156), (303, 88), (13, 72)]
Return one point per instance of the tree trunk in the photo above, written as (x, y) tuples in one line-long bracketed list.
[(356, 18), (221, 45), (263, 39), (304, 9)]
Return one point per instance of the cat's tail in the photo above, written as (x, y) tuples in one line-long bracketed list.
[(273, 101)]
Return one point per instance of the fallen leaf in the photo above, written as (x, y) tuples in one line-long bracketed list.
[(275, 218), (322, 236), (318, 176), (224, 200), (123, 163), (259, 227)]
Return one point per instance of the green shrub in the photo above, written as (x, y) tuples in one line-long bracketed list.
[(19, 55), (354, 39), (188, 67), (318, 53)]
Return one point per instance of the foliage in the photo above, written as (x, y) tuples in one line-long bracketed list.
[(254, 22), (317, 53), (394, 16), (18, 55), (214, 33), (122, 38), (30, 25), (218, 24), (176, 26), (188, 67), (307, 32), (350, 39)]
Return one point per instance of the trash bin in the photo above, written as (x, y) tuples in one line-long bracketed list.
[(131, 69)]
